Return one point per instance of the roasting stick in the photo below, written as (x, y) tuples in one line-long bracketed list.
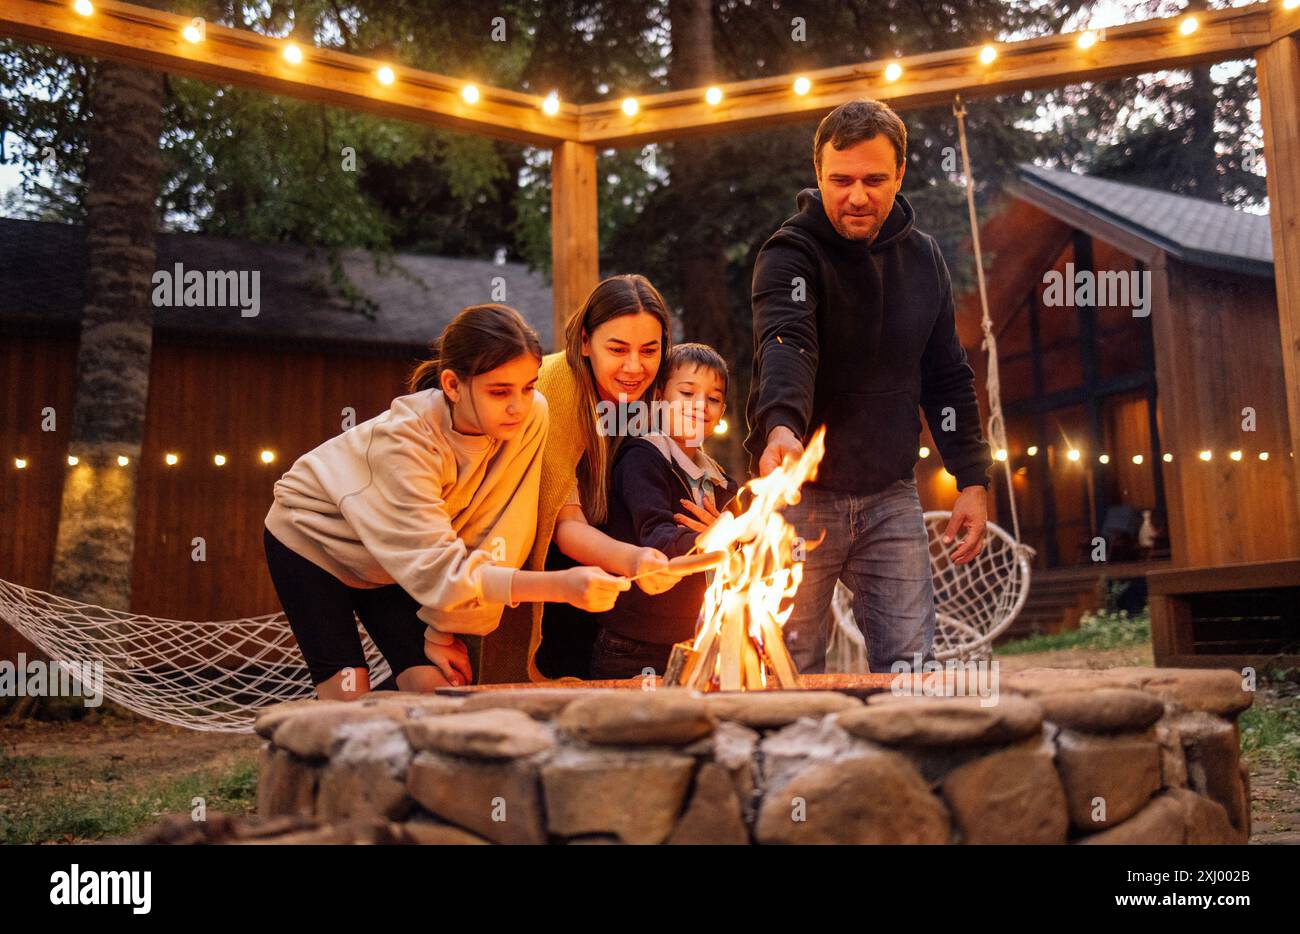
[(687, 564)]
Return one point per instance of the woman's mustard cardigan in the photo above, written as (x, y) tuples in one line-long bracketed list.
[(508, 653)]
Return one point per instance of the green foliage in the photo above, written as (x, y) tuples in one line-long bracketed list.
[(1104, 629), (1270, 730)]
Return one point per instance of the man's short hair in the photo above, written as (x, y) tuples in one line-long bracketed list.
[(697, 355), (855, 121)]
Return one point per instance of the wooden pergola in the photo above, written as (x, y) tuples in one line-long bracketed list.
[(575, 132)]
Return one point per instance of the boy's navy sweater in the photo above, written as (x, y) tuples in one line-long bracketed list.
[(645, 487), (873, 338)]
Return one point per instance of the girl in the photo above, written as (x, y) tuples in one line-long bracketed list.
[(417, 519), (614, 348)]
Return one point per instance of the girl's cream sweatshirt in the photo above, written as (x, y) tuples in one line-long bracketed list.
[(405, 498)]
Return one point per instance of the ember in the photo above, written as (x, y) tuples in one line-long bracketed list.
[(738, 645)]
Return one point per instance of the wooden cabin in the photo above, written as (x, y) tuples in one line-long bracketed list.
[(1152, 419), (220, 383)]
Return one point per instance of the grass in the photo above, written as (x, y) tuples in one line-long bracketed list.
[(1270, 731), (1104, 629), (59, 813)]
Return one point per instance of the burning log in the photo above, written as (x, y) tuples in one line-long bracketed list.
[(738, 644)]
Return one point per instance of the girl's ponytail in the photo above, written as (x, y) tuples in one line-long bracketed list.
[(479, 339)]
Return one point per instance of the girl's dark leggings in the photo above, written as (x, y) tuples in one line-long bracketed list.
[(322, 612)]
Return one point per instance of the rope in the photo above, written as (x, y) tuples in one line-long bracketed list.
[(997, 429), (212, 676)]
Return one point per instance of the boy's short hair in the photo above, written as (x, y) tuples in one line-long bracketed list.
[(699, 355)]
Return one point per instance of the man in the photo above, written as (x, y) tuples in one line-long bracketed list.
[(854, 328)]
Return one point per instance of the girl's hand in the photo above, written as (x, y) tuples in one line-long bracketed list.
[(652, 559), (451, 658), (592, 589), (702, 517)]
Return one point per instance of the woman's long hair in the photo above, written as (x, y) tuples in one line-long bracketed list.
[(613, 298), (479, 339)]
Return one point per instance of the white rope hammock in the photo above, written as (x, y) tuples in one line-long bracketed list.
[(974, 602), (212, 676)]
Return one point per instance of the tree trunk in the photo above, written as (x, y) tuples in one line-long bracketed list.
[(702, 267), (96, 536)]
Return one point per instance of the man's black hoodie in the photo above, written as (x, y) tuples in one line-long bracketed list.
[(856, 336)]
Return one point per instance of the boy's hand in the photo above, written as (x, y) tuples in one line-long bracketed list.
[(652, 559), (451, 658), (703, 516), (593, 589)]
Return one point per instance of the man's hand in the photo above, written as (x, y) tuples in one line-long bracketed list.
[(449, 655), (969, 512), (781, 443)]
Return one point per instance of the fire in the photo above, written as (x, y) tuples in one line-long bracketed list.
[(738, 645)]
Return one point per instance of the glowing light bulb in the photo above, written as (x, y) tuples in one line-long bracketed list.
[(1138, 458), (171, 460), (988, 55), (1290, 4), (551, 104), (73, 460), (630, 106), (469, 93), (1087, 39), (193, 33), (219, 460), (20, 463), (713, 96), (384, 75), (1103, 458), (802, 85), (1001, 454), (268, 457), (1167, 458), (1205, 455), (1263, 455), (1073, 454), (924, 452), (1235, 455), (1189, 25), (84, 7), (292, 54), (123, 460), (893, 71), (721, 427), (1032, 450)]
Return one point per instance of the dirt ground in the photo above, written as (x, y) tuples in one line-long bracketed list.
[(86, 781)]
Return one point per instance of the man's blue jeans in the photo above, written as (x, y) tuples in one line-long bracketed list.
[(877, 544)]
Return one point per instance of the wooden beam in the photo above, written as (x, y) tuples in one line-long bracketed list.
[(933, 79), (575, 239), (1278, 71), (152, 39), (1284, 22)]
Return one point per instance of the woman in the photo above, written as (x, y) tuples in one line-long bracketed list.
[(614, 349), (418, 519)]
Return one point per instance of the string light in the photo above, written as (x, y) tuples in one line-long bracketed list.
[(219, 460), (73, 460), (1263, 455), (714, 96), (20, 463), (1189, 25), (893, 71), (1235, 455), (84, 7), (1138, 459), (1290, 4), (802, 85), (1168, 458), (1032, 450), (292, 54), (1073, 454), (924, 452), (171, 460), (988, 55), (123, 460), (268, 456), (384, 75), (1000, 454), (1103, 458), (551, 104), (469, 93), (193, 33), (1087, 39), (721, 427), (630, 106), (1205, 455)]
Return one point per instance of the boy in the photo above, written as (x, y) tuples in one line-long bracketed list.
[(650, 477)]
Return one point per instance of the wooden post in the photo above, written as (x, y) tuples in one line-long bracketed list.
[(1278, 69), (575, 240)]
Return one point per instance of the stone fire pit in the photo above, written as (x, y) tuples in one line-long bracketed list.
[(1132, 755)]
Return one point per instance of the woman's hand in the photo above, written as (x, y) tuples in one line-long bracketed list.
[(645, 560), (449, 655), (593, 589)]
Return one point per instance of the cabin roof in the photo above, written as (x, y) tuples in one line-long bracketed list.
[(1203, 233), (43, 287)]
